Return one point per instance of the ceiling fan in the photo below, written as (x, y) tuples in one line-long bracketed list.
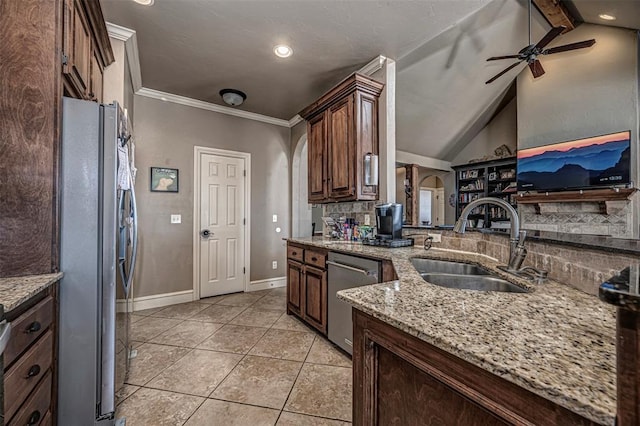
[(531, 52)]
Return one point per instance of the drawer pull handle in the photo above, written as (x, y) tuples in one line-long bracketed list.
[(34, 418), (314, 259), (294, 253), (33, 371), (33, 327)]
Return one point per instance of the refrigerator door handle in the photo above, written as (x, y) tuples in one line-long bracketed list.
[(134, 243)]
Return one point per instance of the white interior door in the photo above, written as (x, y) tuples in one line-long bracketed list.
[(439, 202), (222, 213)]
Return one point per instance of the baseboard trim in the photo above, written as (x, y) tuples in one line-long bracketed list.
[(156, 300), (267, 284)]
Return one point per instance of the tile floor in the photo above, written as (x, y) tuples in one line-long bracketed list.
[(233, 360)]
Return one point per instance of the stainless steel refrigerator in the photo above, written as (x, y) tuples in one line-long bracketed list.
[(97, 256)]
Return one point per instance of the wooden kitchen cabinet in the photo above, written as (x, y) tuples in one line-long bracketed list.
[(30, 360), (86, 49), (36, 37), (342, 127), (400, 379), (307, 285)]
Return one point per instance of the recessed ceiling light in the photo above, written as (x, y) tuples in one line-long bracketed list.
[(283, 51), (607, 17), (163, 99), (145, 2)]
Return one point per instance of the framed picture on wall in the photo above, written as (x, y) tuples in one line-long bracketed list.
[(164, 179)]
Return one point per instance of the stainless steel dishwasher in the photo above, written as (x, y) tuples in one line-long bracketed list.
[(346, 272)]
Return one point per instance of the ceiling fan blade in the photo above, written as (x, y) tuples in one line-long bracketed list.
[(571, 46), (495, 58), (553, 33), (501, 73), (536, 68)]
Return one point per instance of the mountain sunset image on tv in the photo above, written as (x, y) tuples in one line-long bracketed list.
[(580, 164)]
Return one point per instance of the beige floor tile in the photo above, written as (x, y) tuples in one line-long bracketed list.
[(256, 318), (294, 419), (322, 390), (218, 313), (234, 338), (281, 291), (284, 344), (291, 322), (276, 303), (240, 299), (181, 311), (147, 312), (151, 360), (136, 318), (150, 327), (212, 300), (197, 373), (214, 412), (259, 381), (188, 334), (324, 352), (125, 392), (154, 407)]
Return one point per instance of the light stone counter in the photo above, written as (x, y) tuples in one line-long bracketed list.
[(555, 341), (14, 291)]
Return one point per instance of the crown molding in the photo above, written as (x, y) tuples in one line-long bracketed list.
[(131, 48), (295, 120), (195, 103), (376, 64), (421, 160)]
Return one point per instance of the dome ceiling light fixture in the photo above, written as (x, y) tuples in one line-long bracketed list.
[(233, 97), (283, 51)]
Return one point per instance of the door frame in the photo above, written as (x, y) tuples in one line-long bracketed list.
[(198, 151)]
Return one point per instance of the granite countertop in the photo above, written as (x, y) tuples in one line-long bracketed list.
[(14, 291), (555, 341)]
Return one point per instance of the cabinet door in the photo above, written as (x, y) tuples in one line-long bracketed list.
[(77, 48), (341, 141), (294, 286), (316, 131), (95, 93), (315, 298)]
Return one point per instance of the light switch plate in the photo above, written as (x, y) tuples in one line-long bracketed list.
[(176, 218), (275, 217), (367, 219), (274, 264)]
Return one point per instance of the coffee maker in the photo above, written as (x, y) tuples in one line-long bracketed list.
[(389, 227), (389, 221)]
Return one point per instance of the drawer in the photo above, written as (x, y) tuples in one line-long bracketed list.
[(315, 258), (27, 327), (36, 407), (25, 374), (295, 253)]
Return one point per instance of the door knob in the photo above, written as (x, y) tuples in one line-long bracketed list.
[(206, 233)]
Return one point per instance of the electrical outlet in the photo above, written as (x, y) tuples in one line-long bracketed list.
[(274, 264), (437, 238), (367, 219), (176, 218), (275, 217)]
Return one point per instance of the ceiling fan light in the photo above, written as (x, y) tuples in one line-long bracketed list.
[(607, 17), (233, 97)]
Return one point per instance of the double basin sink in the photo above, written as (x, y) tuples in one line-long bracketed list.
[(462, 276)]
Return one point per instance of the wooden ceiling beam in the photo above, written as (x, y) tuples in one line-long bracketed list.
[(556, 13)]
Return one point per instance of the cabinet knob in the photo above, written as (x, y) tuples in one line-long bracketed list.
[(33, 371), (34, 418), (33, 327)]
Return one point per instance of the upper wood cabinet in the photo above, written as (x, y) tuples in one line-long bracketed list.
[(86, 49), (342, 127)]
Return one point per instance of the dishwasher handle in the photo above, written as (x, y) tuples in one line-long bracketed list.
[(5, 333), (354, 269)]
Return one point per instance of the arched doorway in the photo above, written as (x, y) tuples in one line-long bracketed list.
[(431, 201), (304, 215)]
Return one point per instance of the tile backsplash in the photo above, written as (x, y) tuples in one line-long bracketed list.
[(354, 210), (583, 269)]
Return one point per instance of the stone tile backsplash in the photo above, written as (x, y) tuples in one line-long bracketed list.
[(355, 210), (579, 218), (579, 268)]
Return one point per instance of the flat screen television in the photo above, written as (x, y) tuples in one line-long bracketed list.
[(598, 161)]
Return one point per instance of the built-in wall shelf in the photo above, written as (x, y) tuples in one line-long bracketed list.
[(604, 197)]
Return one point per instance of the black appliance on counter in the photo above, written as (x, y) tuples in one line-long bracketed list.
[(389, 224)]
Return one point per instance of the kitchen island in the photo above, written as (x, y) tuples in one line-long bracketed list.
[(549, 352)]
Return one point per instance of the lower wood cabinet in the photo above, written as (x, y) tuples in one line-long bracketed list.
[(402, 380), (30, 361), (307, 285)]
